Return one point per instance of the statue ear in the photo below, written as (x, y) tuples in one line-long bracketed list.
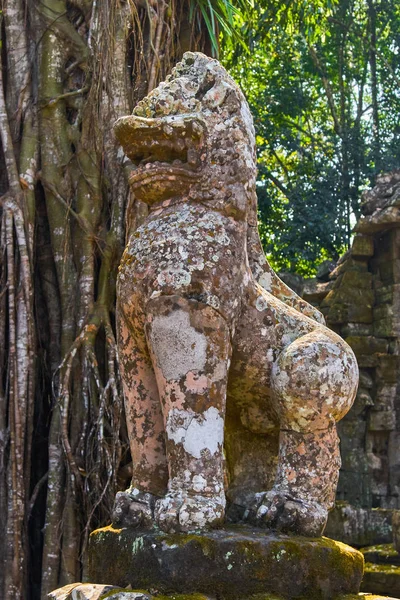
[(216, 95)]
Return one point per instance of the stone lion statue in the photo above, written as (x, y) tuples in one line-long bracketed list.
[(232, 383)]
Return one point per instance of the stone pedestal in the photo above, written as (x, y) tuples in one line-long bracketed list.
[(232, 563)]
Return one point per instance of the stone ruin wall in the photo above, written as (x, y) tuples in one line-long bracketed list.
[(360, 299)]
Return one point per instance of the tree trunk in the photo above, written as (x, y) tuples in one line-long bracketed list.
[(70, 69), (376, 144)]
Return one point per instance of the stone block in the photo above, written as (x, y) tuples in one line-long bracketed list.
[(315, 291), (360, 526), (325, 269), (388, 294), (360, 313), (337, 314), (383, 420), (381, 579), (352, 431), (355, 488), (353, 295), (382, 554), (367, 361), (364, 344), (389, 271), (363, 245), (383, 311), (351, 264), (351, 329), (92, 591), (357, 279), (388, 327), (394, 463), (385, 396), (396, 529), (362, 401), (366, 380), (394, 449), (354, 460), (342, 311), (388, 368), (233, 563)]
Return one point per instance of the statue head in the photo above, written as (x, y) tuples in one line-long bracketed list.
[(192, 136)]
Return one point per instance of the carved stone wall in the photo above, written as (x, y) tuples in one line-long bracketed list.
[(360, 299)]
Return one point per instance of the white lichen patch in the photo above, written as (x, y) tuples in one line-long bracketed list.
[(196, 433), (178, 347)]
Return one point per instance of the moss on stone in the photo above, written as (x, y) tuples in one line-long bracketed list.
[(363, 596), (101, 530), (182, 597), (387, 569), (384, 550), (233, 563), (181, 539)]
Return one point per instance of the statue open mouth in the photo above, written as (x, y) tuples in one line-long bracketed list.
[(167, 152)]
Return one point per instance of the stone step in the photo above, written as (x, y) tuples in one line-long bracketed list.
[(382, 554), (381, 579)]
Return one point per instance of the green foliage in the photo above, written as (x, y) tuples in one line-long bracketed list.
[(222, 20), (322, 80)]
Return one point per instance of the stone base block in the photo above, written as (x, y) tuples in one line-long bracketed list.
[(381, 579), (360, 526), (232, 563)]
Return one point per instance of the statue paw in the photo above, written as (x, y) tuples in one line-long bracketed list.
[(133, 508), (181, 512), (285, 512)]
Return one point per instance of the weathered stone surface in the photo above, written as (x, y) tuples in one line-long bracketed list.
[(358, 279), (383, 420), (209, 337), (232, 563), (396, 529), (367, 344), (345, 310), (380, 579), (315, 291), (363, 245), (359, 526), (349, 263), (370, 475), (388, 368), (386, 187), (350, 329), (88, 591), (325, 269)]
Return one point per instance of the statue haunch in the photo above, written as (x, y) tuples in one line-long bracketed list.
[(232, 383)]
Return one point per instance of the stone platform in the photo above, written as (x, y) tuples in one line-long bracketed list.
[(232, 563), (90, 591)]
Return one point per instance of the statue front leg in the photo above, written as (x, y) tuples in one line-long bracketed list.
[(314, 381), (144, 420), (190, 348)]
